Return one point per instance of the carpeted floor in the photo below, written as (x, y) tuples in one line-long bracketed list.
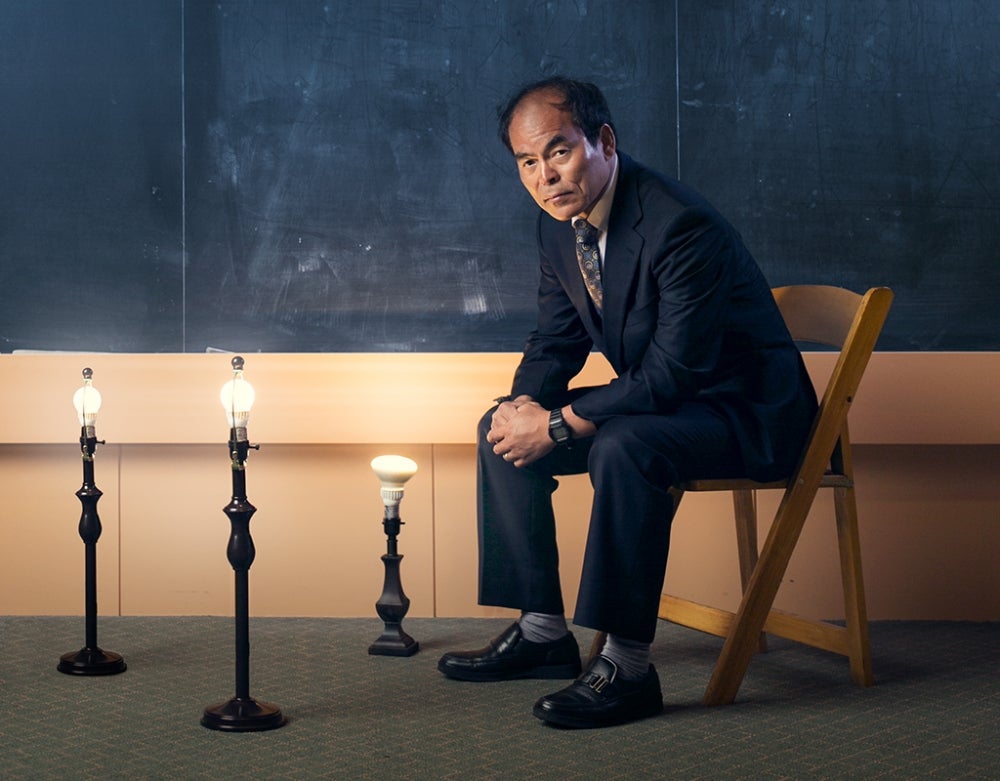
[(933, 714)]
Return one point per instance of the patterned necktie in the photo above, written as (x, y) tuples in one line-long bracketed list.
[(588, 254)]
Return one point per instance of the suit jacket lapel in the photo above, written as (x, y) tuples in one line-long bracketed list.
[(576, 288), (621, 262)]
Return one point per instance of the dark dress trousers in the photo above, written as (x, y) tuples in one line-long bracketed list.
[(709, 384)]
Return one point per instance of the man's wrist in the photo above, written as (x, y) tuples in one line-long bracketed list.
[(579, 427), (558, 430)]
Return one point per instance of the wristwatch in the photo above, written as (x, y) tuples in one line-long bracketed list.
[(558, 429)]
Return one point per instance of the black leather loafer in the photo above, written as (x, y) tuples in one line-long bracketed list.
[(599, 698), (510, 656)]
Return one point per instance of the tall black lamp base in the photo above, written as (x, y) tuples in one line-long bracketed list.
[(394, 642), (91, 661), (242, 715)]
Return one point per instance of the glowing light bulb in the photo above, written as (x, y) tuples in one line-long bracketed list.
[(87, 400), (237, 397)]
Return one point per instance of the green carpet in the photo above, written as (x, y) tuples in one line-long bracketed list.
[(932, 714)]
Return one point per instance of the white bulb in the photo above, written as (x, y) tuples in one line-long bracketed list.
[(87, 401), (237, 397), (393, 472)]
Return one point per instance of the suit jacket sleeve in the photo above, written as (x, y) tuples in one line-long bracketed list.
[(681, 337), (668, 344), (557, 349)]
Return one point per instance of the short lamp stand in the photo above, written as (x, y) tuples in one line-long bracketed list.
[(393, 604)]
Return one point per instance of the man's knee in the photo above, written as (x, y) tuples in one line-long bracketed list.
[(622, 448), (614, 446)]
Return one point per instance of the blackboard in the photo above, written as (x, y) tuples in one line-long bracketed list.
[(311, 176)]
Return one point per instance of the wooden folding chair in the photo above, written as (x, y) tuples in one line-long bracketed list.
[(834, 317)]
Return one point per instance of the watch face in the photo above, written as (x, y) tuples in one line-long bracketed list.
[(558, 429)]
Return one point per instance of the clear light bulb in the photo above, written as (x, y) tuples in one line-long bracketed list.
[(237, 397), (87, 401), (393, 472)]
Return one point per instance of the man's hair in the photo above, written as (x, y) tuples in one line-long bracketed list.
[(582, 99)]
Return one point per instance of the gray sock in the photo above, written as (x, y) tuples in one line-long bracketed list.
[(542, 627), (631, 656)]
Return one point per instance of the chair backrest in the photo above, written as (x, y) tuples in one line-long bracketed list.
[(821, 314), (851, 322)]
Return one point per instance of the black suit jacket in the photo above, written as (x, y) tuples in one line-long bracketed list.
[(687, 316)]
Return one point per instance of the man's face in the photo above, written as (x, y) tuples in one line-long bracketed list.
[(562, 170)]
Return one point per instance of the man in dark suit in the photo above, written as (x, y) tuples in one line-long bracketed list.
[(709, 384)]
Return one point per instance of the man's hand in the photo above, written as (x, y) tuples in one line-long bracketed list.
[(520, 431)]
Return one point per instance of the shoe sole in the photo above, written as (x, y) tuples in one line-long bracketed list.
[(574, 722)]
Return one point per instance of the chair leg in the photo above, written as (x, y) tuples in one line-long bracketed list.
[(859, 645), (744, 634), (745, 511)]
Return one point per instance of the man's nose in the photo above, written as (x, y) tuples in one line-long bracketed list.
[(547, 173)]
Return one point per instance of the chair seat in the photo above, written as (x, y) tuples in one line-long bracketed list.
[(829, 480)]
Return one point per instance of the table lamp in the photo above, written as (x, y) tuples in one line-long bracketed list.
[(393, 472)]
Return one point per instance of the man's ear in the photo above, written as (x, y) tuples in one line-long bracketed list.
[(608, 141)]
